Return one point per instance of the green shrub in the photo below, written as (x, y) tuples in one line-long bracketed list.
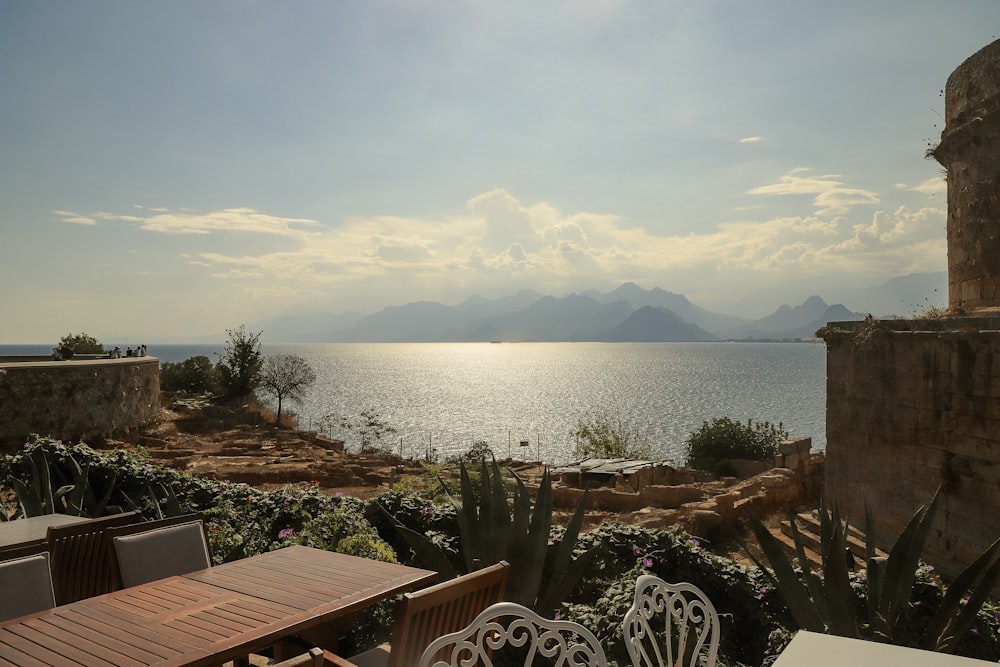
[(609, 438), (194, 375), (723, 438)]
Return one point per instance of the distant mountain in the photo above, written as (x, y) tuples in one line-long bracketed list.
[(627, 313), (795, 322), (650, 324), (899, 297), (678, 303)]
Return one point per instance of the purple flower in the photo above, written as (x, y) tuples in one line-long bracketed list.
[(762, 590), (647, 562), (285, 533), (426, 511), (558, 616), (636, 551), (339, 494)]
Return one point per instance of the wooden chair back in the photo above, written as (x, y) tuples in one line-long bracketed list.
[(508, 628), (670, 625), (22, 550), (80, 560), (26, 582), (157, 549), (427, 614)]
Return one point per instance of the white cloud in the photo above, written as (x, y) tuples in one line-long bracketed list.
[(932, 186), (75, 218), (500, 244), (751, 140), (830, 196)]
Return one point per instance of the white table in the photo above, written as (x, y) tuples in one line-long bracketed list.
[(812, 649)]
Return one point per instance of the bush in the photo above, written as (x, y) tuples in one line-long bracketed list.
[(607, 438), (194, 375), (723, 438)]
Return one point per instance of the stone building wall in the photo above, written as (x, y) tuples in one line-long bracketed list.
[(78, 399), (914, 405)]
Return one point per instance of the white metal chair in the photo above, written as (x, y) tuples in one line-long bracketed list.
[(26, 583), (510, 625), (663, 628)]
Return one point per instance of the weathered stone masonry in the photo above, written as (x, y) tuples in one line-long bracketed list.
[(914, 405), (78, 399)]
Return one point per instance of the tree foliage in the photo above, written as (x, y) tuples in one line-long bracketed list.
[(194, 375), (239, 367), (723, 438), (369, 425), (285, 376), (609, 438), (81, 343)]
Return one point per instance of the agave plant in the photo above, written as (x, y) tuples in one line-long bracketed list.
[(52, 489), (492, 529), (827, 603)]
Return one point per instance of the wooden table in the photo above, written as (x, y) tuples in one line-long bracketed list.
[(812, 649), (207, 617), (31, 530)]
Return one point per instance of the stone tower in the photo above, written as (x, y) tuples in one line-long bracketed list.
[(913, 406), (970, 151)]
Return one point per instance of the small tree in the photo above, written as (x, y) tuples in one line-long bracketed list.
[(723, 438), (80, 344), (285, 376), (195, 375), (604, 437), (369, 425), (239, 367)]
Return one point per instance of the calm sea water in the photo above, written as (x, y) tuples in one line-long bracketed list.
[(445, 397)]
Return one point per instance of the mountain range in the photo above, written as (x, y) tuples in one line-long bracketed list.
[(628, 313)]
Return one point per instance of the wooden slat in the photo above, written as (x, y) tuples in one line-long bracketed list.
[(207, 617)]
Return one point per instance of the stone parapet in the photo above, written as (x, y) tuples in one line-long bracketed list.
[(912, 407), (76, 400)]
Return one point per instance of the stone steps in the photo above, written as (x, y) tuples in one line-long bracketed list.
[(808, 525)]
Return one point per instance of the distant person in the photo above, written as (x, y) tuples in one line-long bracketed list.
[(142, 350), (57, 354), (128, 352)]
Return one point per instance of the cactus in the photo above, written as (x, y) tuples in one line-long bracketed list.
[(491, 530), (827, 603)]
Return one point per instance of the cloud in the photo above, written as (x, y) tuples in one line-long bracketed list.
[(751, 140), (230, 220), (932, 186), (830, 196), (75, 218), (498, 244)]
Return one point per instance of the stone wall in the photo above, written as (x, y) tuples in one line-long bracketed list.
[(76, 400), (914, 405)]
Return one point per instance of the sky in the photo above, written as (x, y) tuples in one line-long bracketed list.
[(171, 170)]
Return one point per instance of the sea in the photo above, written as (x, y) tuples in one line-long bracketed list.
[(525, 399)]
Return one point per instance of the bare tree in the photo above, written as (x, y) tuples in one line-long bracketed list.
[(285, 376)]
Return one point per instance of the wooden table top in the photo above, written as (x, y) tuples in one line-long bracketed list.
[(813, 649), (31, 530), (209, 616)]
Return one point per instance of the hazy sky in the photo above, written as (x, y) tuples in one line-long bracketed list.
[(178, 168)]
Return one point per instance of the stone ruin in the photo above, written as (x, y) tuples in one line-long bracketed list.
[(913, 406)]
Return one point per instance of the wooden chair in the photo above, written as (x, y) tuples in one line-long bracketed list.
[(158, 549), (427, 614), (664, 628), (80, 559), (26, 582), (313, 658), (509, 628)]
